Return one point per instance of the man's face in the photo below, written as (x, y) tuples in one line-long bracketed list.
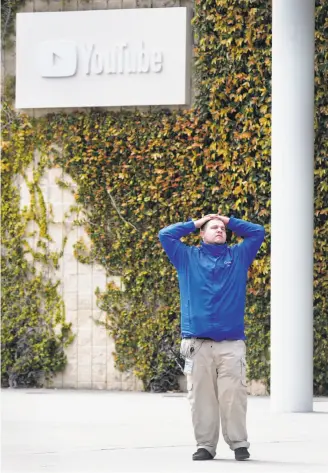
[(214, 232)]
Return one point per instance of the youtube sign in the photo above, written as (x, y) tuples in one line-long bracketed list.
[(103, 58)]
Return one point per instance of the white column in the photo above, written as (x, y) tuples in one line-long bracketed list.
[(292, 206)]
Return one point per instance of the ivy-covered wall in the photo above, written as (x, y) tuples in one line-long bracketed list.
[(34, 330), (137, 172)]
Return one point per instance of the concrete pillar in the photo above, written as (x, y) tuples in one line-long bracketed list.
[(292, 205)]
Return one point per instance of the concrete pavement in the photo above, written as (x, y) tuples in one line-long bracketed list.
[(61, 431)]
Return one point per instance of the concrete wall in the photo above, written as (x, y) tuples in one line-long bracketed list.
[(90, 356)]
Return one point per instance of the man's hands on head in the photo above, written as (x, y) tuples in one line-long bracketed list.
[(223, 219), (199, 223)]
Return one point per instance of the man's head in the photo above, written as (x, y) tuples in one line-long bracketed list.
[(214, 232)]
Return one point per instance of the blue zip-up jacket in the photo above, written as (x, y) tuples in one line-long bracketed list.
[(212, 279)]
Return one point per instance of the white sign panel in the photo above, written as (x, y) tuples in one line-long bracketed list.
[(103, 58)]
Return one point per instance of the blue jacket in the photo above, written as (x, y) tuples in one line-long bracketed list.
[(212, 279)]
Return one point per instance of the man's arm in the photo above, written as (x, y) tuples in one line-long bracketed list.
[(170, 239), (253, 235)]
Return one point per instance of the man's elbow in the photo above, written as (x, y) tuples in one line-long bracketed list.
[(162, 234), (261, 233)]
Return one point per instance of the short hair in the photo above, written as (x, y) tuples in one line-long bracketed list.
[(204, 226)]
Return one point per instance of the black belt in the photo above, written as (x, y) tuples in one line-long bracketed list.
[(201, 338)]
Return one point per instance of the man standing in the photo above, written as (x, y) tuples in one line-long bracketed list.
[(212, 280)]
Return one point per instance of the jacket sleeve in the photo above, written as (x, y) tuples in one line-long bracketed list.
[(170, 240), (253, 235)]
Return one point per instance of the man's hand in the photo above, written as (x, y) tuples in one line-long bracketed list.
[(223, 219), (199, 223)]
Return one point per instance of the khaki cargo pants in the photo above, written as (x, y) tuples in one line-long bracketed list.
[(216, 384)]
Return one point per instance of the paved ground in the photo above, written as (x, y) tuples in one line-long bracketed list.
[(96, 431)]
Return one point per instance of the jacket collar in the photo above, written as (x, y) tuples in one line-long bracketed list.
[(214, 250)]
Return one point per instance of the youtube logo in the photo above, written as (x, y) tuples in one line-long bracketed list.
[(57, 58)]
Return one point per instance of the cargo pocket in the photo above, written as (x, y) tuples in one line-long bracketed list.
[(184, 348), (243, 371)]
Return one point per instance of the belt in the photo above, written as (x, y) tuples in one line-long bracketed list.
[(201, 338)]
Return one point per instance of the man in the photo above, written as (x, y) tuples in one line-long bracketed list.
[(212, 280)]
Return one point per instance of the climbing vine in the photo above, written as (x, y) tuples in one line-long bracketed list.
[(34, 332), (9, 8), (138, 172)]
